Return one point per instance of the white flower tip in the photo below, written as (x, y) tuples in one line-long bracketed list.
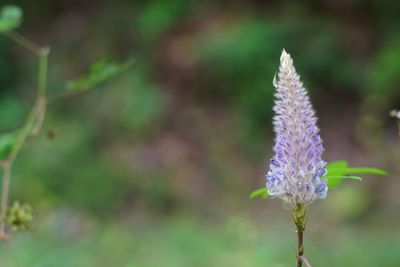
[(286, 59), (284, 54)]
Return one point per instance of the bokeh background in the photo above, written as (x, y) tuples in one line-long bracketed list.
[(155, 167)]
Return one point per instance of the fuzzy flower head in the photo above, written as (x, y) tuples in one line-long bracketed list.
[(296, 169)]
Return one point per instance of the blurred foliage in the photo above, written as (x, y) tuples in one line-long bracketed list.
[(182, 242), (99, 72), (13, 112), (384, 72), (10, 18), (188, 129), (157, 17)]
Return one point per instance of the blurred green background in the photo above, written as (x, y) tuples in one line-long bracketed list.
[(154, 167)]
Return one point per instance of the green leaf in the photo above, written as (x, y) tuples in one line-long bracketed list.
[(339, 170), (336, 169), (10, 18), (365, 170), (339, 166), (261, 192), (99, 72), (7, 142), (344, 177)]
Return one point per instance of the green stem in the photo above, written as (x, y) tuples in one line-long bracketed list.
[(299, 218), (4, 197), (25, 130), (42, 76), (300, 247)]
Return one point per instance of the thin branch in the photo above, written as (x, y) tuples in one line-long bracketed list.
[(24, 42), (305, 261), (24, 131), (42, 76), (6, 165), (40, 117), (33, 122)]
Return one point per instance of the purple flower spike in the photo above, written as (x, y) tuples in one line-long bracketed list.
[(296, 169)]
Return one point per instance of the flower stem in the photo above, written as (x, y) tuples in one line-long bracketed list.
[(299, 218), (300, 247)]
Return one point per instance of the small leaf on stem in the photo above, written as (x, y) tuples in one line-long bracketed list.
[(261, 192), (339, 170), (99, 72), (7, 142)]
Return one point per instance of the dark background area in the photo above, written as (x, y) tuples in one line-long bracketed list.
[(154, 167)]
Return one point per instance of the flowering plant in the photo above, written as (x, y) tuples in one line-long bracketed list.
[(297, 173)]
